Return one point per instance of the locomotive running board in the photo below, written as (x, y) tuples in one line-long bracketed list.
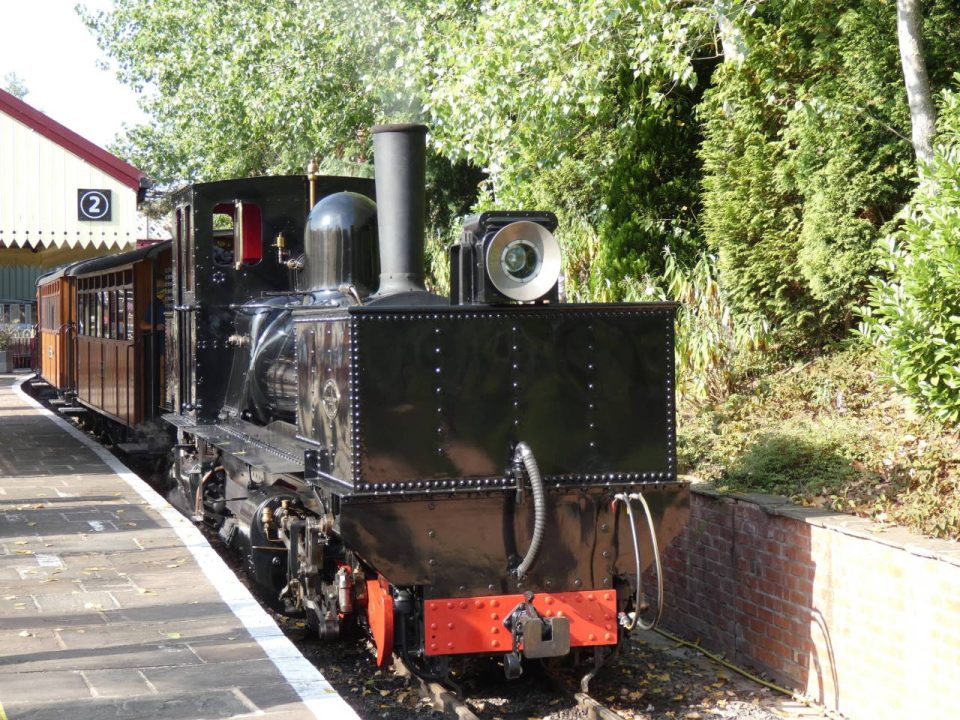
[(259, 447)]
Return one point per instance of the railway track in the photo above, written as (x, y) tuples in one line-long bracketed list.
[(445, 700)]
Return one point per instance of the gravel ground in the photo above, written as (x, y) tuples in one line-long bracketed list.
[(652, 679)]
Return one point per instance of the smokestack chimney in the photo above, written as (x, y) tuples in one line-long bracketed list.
[(399, 155)]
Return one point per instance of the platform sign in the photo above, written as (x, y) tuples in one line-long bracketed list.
[(94, 204)]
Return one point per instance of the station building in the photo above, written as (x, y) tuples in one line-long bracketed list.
[(62, 199)]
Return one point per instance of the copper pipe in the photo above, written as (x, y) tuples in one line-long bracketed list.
[(312, 169)]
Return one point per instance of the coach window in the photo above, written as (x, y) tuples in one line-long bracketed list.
[(223, 234), (128, 306), (101, 301), (91, 314), (120, 318), (81, 312)]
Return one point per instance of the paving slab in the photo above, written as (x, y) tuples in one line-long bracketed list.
[(113, 606)]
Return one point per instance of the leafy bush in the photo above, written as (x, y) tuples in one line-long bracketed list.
[(794, 461), (711, 343), (914, 315)]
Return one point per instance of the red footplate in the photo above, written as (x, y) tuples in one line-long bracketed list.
[(455, 626)]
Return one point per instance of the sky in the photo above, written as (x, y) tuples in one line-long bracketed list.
[(50, 49)]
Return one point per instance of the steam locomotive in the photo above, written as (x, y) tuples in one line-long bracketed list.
[(488, 473)]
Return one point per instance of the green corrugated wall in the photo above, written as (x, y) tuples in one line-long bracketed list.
[(19, 283)]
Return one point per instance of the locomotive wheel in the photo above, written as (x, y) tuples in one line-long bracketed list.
[(380, 618)]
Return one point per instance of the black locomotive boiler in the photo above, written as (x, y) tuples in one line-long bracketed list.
[(484, 473)]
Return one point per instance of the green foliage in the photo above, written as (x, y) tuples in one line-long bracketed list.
[(587, 110), (583, 107), (914, 315), (807, 158), (712, 345), (793, 462), (239, 88)]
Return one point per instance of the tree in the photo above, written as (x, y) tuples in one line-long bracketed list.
[(586, 107), (919, 98), (15, 85), (239, 88), (808, 160), (582, 107)]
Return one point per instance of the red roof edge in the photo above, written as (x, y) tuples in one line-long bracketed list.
[(66, 138)]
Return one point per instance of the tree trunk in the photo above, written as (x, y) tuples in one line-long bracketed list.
[(922, 114)]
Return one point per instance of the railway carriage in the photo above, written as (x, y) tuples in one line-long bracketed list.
[(102, 336), (57, 313)]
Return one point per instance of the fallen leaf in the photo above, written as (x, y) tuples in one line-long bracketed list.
[(384, 693)]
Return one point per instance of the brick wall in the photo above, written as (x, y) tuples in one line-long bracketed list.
[(863, 619)]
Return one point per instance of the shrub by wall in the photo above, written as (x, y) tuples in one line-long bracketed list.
[(915, 314)]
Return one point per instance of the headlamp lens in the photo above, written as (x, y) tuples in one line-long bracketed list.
[(520, 259)]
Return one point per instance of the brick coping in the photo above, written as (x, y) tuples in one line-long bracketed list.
[(892, 536)]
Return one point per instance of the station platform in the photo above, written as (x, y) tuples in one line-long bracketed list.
[(113, 605)]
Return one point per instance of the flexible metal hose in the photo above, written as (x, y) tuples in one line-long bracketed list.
[(631, 623), (656, 562), (525, 455)]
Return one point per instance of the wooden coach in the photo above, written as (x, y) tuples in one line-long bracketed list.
[(57, 322), (120, 333)]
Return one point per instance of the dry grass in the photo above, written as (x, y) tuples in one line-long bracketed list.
[(832, 433)]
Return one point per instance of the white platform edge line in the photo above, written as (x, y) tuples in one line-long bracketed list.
[(308, 682)]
